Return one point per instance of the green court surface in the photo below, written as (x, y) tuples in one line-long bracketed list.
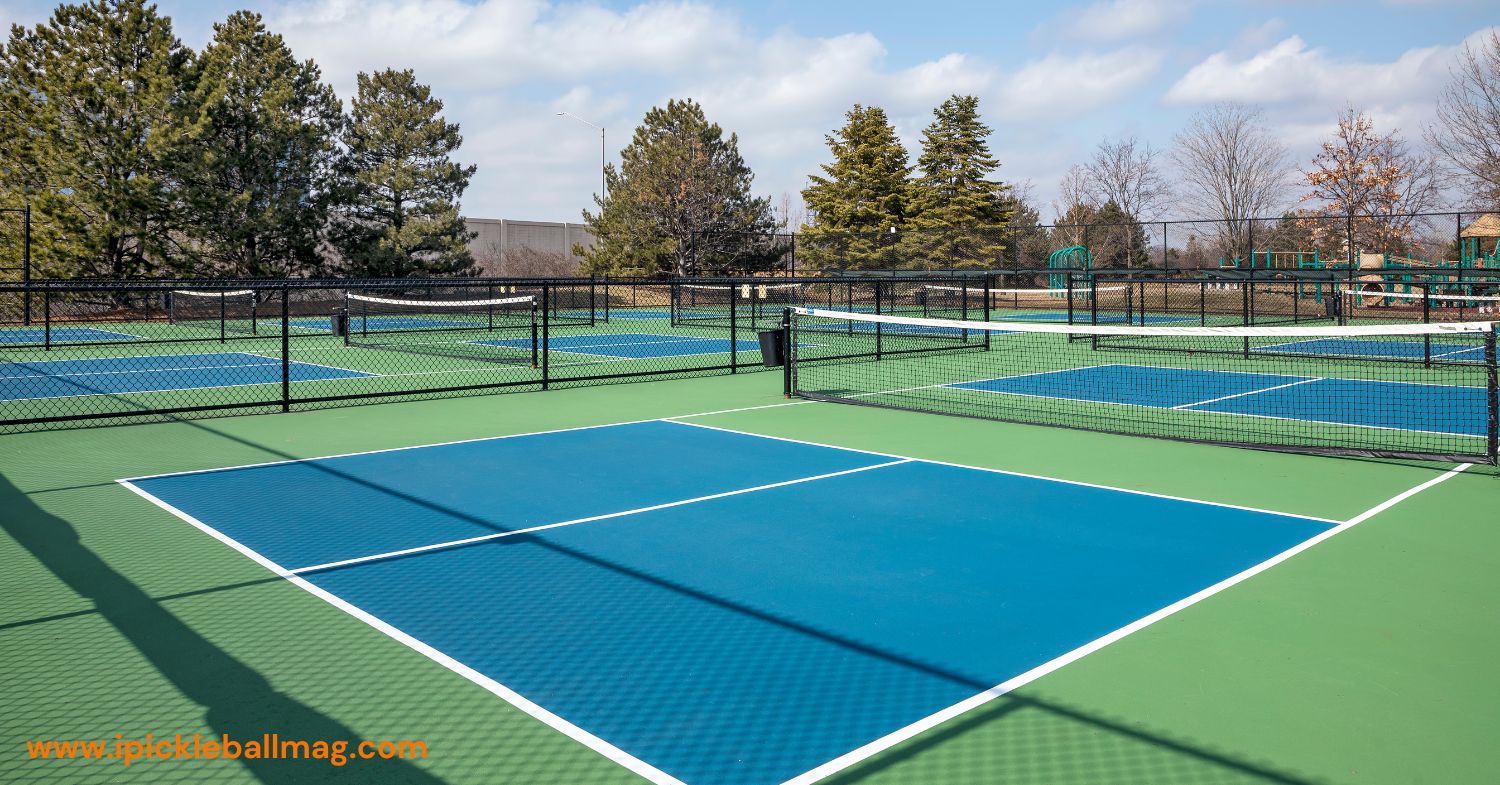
[(1366, 658)]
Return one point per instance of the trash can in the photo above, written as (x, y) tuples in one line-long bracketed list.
[(340, 322), (772, 348)]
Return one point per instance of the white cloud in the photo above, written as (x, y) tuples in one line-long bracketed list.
[(1291, 72), (497, 43), (1116, 20), (1076, 82)]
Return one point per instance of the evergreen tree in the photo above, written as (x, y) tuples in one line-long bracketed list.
[(1028, 240), (680, 195), (399, 212), (862, 198), (253, 164), (958, 213), (85, 111), (1118, 240), (1072, 227)]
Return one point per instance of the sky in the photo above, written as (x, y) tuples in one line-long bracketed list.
[(1053, 79)]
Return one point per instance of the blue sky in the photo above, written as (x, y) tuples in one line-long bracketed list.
[(1053, 80)]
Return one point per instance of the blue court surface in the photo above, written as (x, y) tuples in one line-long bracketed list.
[(632, 346), (1429, 408), (39, 335), (21, 381), (722, 607), (1381, 349)]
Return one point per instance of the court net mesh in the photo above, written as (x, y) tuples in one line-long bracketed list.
[(1424, 391), (500, 330), (223, 312)]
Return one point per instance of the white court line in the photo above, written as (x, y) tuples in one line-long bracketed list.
[(960, 385), (1014, 473), (557, 723), (1248, 392), (933, 720), (499, 535)]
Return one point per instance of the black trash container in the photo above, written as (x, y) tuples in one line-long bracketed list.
[(772, 347)]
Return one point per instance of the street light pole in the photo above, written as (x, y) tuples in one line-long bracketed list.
[(603, 186)]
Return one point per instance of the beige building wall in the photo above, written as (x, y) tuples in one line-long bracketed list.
[(503, 247)]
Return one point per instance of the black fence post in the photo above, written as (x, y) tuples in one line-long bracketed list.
[(1492, 385), (734, 345), (26, 263), (1068, 279), (546, 331), (286, 350)]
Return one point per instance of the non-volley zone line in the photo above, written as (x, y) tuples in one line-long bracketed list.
[(1405, 406), (759, 630), (25, 381)]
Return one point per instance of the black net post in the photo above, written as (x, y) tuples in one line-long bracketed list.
[(47, 319), (286, 350), (989, 280), (734, 355), (1068, 283), (788, 347), (878, 286), (1426, 319), (224, 315), (534, 357), (1202, 303)]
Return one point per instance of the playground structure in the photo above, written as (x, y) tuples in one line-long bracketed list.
[(1390, 280), (1064, 260)]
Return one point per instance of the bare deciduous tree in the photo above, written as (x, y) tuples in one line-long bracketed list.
[(1233, 168), (1360, 173), (1125, 172), (1468, 110), (1073, 192)]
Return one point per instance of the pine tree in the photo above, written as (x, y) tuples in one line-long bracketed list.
[(85, 109), (1118, 240), (958, 215), (680, 195), (862, 198), (253, 163), (400, 189)]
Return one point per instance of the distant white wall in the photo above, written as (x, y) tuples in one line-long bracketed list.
[(504, 247)]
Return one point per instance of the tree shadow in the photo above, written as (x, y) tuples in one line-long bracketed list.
[(238, 701)]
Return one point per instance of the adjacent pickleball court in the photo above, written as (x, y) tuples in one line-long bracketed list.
[(20, 381)]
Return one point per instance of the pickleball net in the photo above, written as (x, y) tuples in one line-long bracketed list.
[(502, 330), (1422, 391), (226, 312)]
